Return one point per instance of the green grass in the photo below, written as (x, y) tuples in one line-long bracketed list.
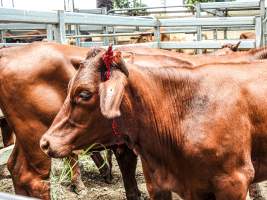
[(62, 173)]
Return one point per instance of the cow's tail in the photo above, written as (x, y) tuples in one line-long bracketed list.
[(6, 130)]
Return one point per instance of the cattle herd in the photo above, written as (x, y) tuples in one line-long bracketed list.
[(197, 122)]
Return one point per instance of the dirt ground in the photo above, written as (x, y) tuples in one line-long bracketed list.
[(95, 187)]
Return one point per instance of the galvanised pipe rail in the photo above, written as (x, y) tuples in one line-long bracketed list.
[(28, 16), (206, 44), (5, 196), (22, 26), (51, 17), (57, 21), (156, 12), (25, 36), (211, 21), (240, 5), (12, 44), (93, 19), (109, 35), (149, 8)]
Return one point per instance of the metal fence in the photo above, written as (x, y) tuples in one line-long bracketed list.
[(5, 196), (56, 23)]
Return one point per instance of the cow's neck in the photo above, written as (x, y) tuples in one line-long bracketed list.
[(155, 103)]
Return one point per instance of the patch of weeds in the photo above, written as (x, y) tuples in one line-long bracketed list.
[(62, 170)]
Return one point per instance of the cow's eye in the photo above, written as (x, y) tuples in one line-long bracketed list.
[(85, 95)]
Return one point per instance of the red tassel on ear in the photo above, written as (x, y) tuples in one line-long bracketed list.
[(108, 59)]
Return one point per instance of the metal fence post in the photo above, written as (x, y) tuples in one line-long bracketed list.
[(60, 28), (105, 39), (225, 29), (49, 32), (263, 22), (258, 30), (157, 33), (199, 28), (77, 32), (2, 36), (114, 38), (105, 29)]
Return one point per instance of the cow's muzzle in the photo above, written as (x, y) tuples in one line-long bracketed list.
[(55, 151)]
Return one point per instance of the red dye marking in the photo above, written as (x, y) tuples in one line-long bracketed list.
[(115, 127), (108, 59)]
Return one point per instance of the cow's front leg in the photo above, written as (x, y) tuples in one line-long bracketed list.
[(29, 180), (127, 161), (77, 184), (104, 168)]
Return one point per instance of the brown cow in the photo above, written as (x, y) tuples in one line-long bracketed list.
[(26, 37), (71, 54), (227, 49), (247, 35), (148, 37), (212, 142), (34, 81), (30, 79)]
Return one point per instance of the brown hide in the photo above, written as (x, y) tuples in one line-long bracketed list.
[(27, 37), (138, 56), (149, 37), (247, 35), (201, 132), (227, 49), (34, 80), (33, 86)]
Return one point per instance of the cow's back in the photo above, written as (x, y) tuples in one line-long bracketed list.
[(34, 81)]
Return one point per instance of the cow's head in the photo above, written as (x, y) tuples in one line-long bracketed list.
[(231, 47), (142, 38), (90, 103), (227, 49)]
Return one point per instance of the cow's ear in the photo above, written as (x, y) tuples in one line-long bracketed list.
[(76, 63), (111, 94)]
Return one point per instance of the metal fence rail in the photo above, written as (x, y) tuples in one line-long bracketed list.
[(240, 5), (5, 196), (56, 22)]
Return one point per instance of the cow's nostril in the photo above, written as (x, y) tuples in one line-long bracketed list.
[(44, 144)]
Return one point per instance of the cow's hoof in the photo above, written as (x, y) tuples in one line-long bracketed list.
[(77, 188), (108, 178), (139, 196)]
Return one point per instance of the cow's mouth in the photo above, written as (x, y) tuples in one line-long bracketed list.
[(61, 152)]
